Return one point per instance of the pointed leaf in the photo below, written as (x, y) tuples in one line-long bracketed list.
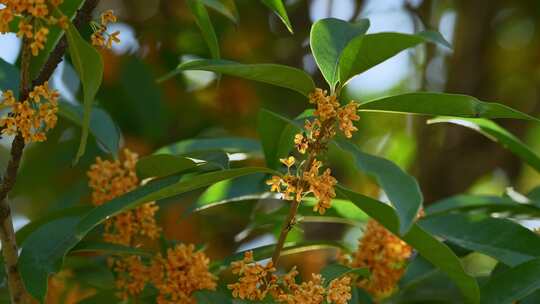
[(279, 8), (203, 22), (159, 165), (225, 144), (89, 65), (227, 9), (328, 38), (275, 74), (428, 103), (427, 246), (362, 54), (463, 202), (401, 188), (496, 133)]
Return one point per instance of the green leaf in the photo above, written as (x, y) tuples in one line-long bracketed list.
[(428, 103), (227, 9), (368, 51), (101, 297), (499, 238), (101, 126), (333, 271), (203, 22), (401, 188), (464, 202), (212, 297), (277, 136), (9, 77), (328, 38), (108, 248), (225, 144), (159, 165), (44, 250), (279, 8), (89, 65), (427, 246), (275, 74), (498, 134), (513, 284)]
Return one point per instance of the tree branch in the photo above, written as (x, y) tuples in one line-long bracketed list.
[(16, 287)]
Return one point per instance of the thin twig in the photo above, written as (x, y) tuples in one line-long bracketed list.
[(16, 287)]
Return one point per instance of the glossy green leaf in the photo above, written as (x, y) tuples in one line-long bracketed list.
[(159, 165), (368, 51), (102, 127), (427, 246), (108, 248), (465, 202), (513, 284), (436, 104), (328, 38), (89, 65), (205, 25), (275, 74), (45, 249), (333, 271), (9, 77), (498, 134), (499, 238), (225, 7), (401, 188), (277, 136), (279, 9), (226, 144)]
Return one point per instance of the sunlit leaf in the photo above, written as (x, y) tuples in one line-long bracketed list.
[(89, 65), (279, 8), (275, 74), (328, 39), (159, 165)]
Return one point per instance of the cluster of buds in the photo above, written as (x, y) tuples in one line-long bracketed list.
[(305, 178), (35, 17), (100, 37), (257, 282), (31, 117)]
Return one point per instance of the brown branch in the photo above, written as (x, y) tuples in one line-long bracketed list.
[(16, 287), (287, 226)]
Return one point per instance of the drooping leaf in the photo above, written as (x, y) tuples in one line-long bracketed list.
[(362, 54), (464, 202), (427, 246), (499, 238), (279, 8), (101, 126), (401, 188), (513, 284), (205, 25), (159, 165), (496, 133), (275, 74), (44, 250), (227, 9), (442, 104), (9, 77), (277, 136), (328, 38), (89, 65)]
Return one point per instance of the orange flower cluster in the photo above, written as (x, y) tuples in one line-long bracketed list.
[(385, 255), (31, 117), (314, 140), (131, 275), (110, 179), (178, 275), (256, 282), (101, 37), (35, 15)]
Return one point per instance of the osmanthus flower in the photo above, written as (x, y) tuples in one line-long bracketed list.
[(32, 117), (180, 273), (100, 37), (109, 179), (385, 255), (257, 282), (305, 178), (34, 19), (132, 275)]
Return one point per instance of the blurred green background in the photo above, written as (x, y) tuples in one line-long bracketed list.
[(496, 57)]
